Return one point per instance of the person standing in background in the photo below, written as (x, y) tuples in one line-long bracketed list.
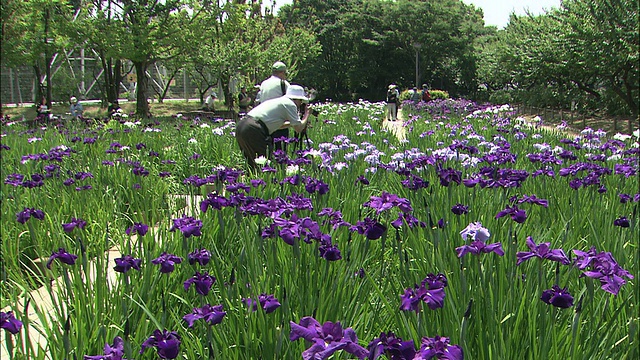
[(273, 87), (243, 100), (393, 99), (75, 108)]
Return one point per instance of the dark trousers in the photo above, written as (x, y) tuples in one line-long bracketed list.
[(280, 145), (253, 138)]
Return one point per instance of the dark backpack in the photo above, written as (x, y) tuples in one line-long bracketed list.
[(425, 95), (391, 96)]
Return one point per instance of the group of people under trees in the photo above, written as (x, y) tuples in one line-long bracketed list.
[(43, 110), (393, 99), (279, 106)]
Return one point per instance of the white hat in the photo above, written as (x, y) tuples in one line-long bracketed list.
[(392, 86), (73, 99), (279, 66), (296, 92)]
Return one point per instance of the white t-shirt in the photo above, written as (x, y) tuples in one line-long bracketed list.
[(210, 99), (275, 112), (272, 88)]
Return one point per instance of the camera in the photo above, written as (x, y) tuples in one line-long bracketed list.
[(303, 109)]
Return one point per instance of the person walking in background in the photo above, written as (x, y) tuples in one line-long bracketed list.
[(393, 100), (75, 108), (254, 132), (244, 100), (273, 87)]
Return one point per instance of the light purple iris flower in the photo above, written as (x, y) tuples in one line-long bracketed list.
[(475, 232), (542, 251)]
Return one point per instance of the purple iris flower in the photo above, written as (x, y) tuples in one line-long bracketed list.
[(111, 352), (449, 175), (411, 221), (328, 250), (79, 223), (362, 180), (479, 247), (602, 266), (316, 185), (201, 256), (167, 344), (441, 223), (27, 213), (460, 209), (533, 200), (188, 226), (202, 283), (335, 218), (211, 314), (516, 214), (267, 302), (9, 322), (215, 201), (387, 201), (438, 347), (430, 290), (542, 251), (476, 232), (137, 228), (63, 256), (557, 297), (622, 222), (326, 339), (370, 228), (391, 346), (167, 262), (127, 263)]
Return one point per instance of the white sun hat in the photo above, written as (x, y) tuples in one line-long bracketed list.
[(296, 92)]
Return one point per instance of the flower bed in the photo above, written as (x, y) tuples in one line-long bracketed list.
[(476, 234)]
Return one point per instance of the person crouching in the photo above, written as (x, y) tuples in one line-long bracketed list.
[(253, 132)]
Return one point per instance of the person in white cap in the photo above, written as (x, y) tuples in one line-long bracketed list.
[(275, 86), (254, 132), (75, 109)]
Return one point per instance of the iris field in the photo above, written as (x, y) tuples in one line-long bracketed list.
[(480, 235)]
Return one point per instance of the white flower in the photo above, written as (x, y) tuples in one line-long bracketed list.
[(193, 141), (293, 169), (204, 125), (34, 139), (637, 133), (129, 124), (621, 137), (261, 160), (614, 157), (218, 131)]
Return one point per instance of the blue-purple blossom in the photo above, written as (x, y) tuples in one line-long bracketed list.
[(9, 322), (622, 222), (438, 347), (430, 291), (557, 297), (201, 281), (188, 226), (409, 219), (603, 267), (79, 223), (370, 228), (391, 346), (211, 314), (111, 352), (479, 247), (137, 228), (542, 251), (63, 256), (127, 263), (200, 256), (514, 212), (387, 201), (27, 213), (167, 344), (475, 232), (268, 303), (326, 339), (167, 262), (460, 209)]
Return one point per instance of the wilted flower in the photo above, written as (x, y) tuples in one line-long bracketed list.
[(326, 339), (9, 322), (63, 256), (111, 352), (167, 343), (557, 297), (211, 314)]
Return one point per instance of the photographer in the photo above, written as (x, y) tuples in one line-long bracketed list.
[(254, 131), (303, 135)]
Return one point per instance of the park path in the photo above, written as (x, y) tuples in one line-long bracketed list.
[(396, 127)]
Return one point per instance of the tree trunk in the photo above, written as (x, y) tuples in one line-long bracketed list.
[(142, 106)]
